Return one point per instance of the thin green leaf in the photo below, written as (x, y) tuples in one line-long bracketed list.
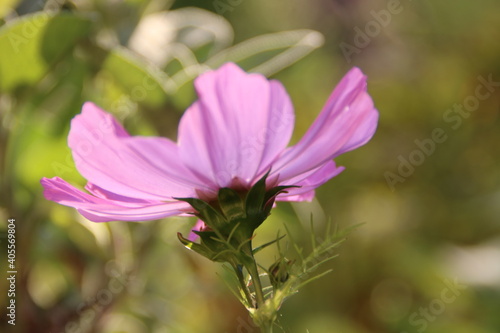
[(314, 278), (263, 246)]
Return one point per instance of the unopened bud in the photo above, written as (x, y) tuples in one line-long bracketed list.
[(279, 271)]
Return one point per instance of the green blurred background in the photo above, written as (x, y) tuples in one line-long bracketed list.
[(427, 258)]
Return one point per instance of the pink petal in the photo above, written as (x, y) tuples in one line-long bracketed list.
[(138, 167), (200, 225), (237, 128), (307, 196), (309, 181), (347, 121), (98, 192), (103, 210)]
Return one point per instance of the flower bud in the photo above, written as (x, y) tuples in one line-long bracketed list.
[(279, 272)]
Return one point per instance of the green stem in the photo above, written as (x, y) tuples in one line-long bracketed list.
[(254, 273), (241, 280), (261, 315), (266, 327)]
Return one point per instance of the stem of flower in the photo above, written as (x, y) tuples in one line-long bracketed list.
[(251, 266), (254, 273), (261, 314), (266, 327), (241, 280)]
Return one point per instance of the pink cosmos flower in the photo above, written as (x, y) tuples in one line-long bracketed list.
[(236, 131)]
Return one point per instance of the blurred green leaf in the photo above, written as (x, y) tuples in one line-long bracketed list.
[(31, 44), (142, 84)]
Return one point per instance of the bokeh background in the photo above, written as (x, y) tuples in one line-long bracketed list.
[(427, 258)]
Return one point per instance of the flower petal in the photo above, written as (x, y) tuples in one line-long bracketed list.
[(98, 192), (309, 181), (199, 226), (237, 128), (103, 210), (139, 167), (347, 121), (307, 196)]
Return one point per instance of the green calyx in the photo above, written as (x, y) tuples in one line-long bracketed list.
[(231, 221)]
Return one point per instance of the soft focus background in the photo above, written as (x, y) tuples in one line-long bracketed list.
[(427, 187)]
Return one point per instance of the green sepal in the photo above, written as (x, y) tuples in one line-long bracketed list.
[(200, 249), (255, 197), (232, 220), (215, 245), (259, 201), (271, 195), (231, 204), (205, 212)]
